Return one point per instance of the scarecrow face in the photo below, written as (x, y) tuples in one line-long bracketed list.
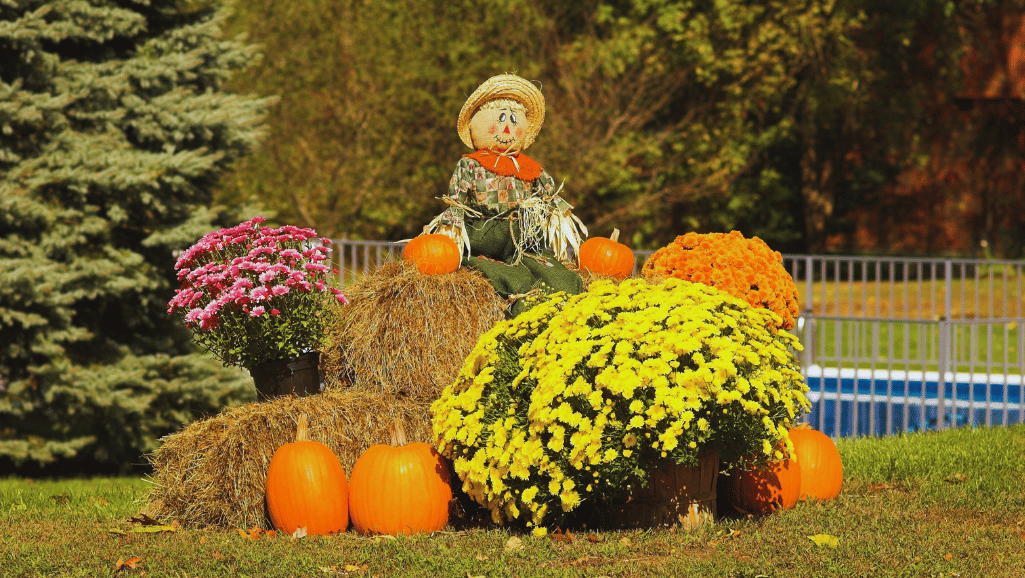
[(502, 128)]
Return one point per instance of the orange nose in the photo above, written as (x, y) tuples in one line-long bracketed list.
[(506, 129)]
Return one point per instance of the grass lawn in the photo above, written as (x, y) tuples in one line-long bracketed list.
[(934, 504)]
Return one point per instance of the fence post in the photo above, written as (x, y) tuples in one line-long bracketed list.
[(808, 333), (809, 278), (944, 350)]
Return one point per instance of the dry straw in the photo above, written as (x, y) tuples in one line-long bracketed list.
[(400, 340), (406, 334), (212, 473)]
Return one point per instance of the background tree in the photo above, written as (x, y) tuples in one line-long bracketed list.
[(655, 108), (114, 128), (800, 121), (955, 148)]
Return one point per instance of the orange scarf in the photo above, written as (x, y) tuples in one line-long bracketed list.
[(523, 168)]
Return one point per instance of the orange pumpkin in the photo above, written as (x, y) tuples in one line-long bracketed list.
[(433, 254), (399, 489), (820, 464), (761, 490), (607, 256), (306, 487)]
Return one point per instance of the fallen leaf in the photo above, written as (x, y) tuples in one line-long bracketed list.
[(957, 478), (354, 568), (253, 533), (61, 499), (481, 557), (513, 544), (144, 520), (300, 532), (468, 575), (131, 564), (626, 541), (271, 533), (202, 540), (228, 560), (880, 487), (560, 536), (825, 540), (383, 538), (98, 501), (582, 561), (153, 529), (948, 556), (116, 531), (593, 538)]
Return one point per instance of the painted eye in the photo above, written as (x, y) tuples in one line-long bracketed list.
[(501, 117), (512, 118)]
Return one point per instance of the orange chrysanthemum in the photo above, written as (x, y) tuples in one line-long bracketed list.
[(745, 268)]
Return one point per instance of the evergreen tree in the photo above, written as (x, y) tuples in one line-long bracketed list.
[(114, 128)]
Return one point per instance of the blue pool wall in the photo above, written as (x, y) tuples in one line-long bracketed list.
[(897, 405)]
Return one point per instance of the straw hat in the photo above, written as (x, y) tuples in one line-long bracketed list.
[(507, 86)]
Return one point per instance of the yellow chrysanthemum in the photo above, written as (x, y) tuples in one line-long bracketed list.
[(550, 407)]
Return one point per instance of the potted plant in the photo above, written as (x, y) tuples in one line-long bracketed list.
[(257, 297), (620, 399)]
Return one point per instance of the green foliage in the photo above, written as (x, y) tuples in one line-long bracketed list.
[(364, 137), (654, 108), (781, 119), (114, 126)]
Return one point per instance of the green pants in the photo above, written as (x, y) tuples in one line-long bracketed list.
[(493, 253)]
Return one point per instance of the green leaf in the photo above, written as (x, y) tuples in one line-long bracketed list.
[(153, 529)]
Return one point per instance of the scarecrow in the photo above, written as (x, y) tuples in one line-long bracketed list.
[(505, 213)]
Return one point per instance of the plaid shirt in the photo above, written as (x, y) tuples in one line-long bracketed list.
[(475, 187)]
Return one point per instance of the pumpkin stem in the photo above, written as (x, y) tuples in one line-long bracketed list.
[(614, 236), (398, 434), (302, 428)]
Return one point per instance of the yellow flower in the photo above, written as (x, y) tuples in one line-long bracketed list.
[(529, 494), (579, 370)]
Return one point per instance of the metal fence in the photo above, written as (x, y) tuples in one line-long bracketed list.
[(355, 258), (891, 345)]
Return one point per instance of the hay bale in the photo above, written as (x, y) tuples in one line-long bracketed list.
[(213, 472), (407, 334)]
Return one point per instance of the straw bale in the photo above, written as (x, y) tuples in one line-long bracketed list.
[(407, 334), (213, 472)]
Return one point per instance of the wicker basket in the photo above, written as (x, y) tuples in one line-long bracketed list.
[(299, 376), (675, 496)]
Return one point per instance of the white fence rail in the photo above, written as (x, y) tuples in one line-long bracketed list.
[(891, 344)]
